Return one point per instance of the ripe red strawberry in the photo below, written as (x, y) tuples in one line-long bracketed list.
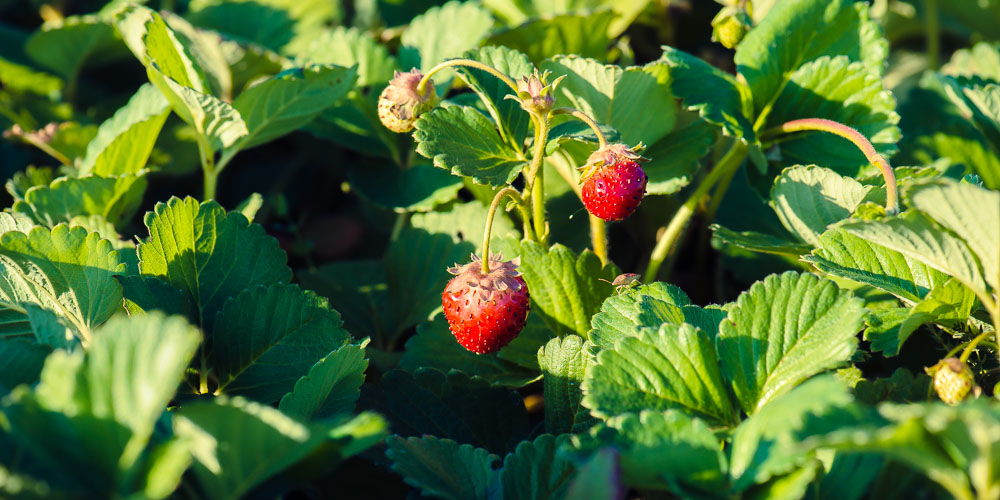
[(614, 183), (486, 310), (400, 104)]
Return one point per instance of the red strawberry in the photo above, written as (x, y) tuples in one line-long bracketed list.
[(400, 104), (486, 310), (614, 183)]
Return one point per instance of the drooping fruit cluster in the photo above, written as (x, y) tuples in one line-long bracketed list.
[(401, 103), (953, 380), (613, 182), (486, 310)]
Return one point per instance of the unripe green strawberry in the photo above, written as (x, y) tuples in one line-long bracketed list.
[(400, 103), (953, 380), (729, 26), (486, 311), (613, 182)]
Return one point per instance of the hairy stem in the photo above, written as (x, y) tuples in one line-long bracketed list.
[(933, 33), (972, 346), (469, 63), (580, 115), (207, 168), (858, 139), (731, 161), (599, 237), (488, 231), (534, 185)]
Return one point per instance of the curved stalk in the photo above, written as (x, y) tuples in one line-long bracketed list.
[(731, 161), (859, 140), (580, 115), (487, 232), (467, 63), (599, 237)]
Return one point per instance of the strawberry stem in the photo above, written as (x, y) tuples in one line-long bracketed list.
[(534, 182), (972, 346), (580, 115), (859, 140), (467, 63), (514, 195), (731, 161)]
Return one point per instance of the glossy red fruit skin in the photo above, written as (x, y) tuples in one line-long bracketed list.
[(484, 318), (615, 191)]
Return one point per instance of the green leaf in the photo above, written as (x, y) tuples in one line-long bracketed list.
[(125, 140), (836, 89), (759, 242), (146, 293), (208, 51), (668, 450), (289, 100), (969, 211), (583, 33), (115, 198), (673, 159), (359, 291), (513, 121), (466, 143), (348, 47), (794, 33), (784, 330), (661, 368), (765, 444), (419, 188), (265, 339), (917, 237), (979, 100), (208, 254), (331, 387), (434, 346), (274, 24), (564, 364), (64, 270), (425, 43), (13, 221), (452, 406), (217, 122), (636, 101), (65, 45), (444, 468), (600, 477), (982, 59), (566, 289), (901, 387), (465, 222), (841, 253), (807, 199), (947, 304), (716, 95), (535, 470), (416, 269), (21, 361), (92, 415), (156, 46), (239, 444)]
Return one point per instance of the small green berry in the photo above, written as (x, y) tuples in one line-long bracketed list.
[(953, 380)]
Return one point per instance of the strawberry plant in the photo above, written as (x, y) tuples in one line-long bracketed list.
[(464, 249)]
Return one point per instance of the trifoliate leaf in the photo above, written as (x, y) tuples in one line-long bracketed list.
[(275, 24), (513, 121), (115, 198), (359, 291), (425, 44), (65, 45), (217, 122), (583, 33), (463, 141), (154, 44), (208, 254), (660, 368), (536, 469), (784, 330)]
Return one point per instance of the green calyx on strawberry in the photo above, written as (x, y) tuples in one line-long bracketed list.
[(486, 311), (535, 93), (953, 380), (401, 103), (613, 182)]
